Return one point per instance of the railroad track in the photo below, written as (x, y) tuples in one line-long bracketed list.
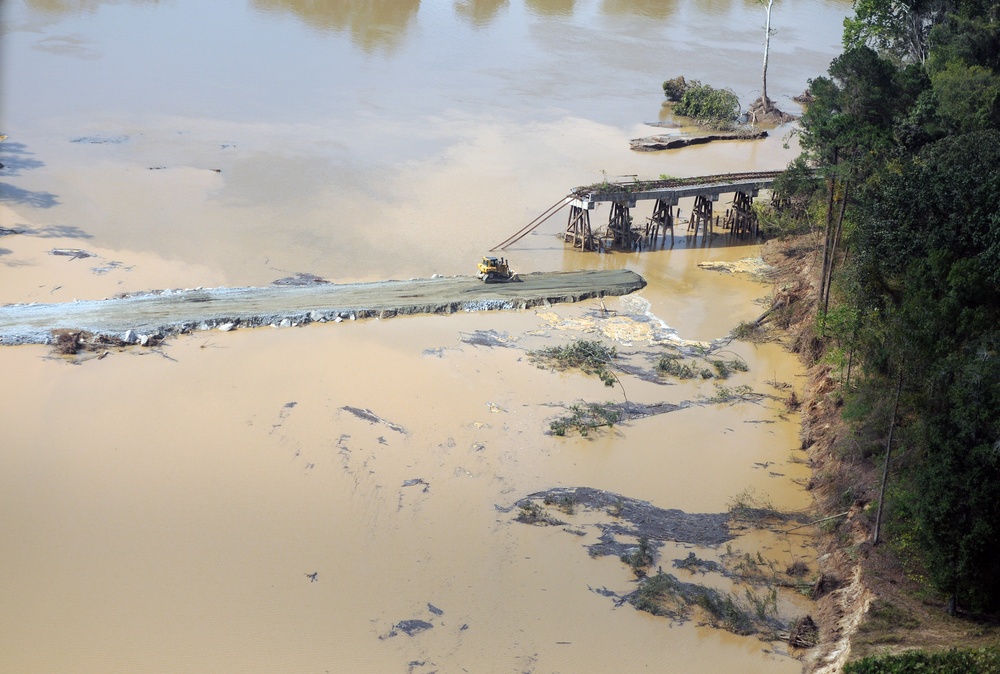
[(694, 181)]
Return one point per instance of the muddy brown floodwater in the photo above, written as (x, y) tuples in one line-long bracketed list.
[(340, 497)]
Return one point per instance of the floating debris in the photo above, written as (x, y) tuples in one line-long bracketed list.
[(300, 279), (417, 481), (72, 253), (488, 338), (100, 140), (411, 627), (631, 518), (368, 415)]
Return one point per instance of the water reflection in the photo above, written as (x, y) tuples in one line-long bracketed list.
[(21, 197), (479, 12), (719, 7), (78, 6), (653, 9), (551, 7), (373, 24), (17, 158)]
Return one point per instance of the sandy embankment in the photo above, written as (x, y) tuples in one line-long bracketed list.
[(135, 318)]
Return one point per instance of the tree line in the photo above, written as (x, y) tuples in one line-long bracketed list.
[(904, 134)]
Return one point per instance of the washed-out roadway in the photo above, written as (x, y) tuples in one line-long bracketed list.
[(135, 318)]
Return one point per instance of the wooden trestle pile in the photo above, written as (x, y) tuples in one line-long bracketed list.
[(622, 233)]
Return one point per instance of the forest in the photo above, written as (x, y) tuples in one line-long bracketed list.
[(904, 134)]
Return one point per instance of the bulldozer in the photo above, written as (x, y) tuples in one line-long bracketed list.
[(494, 270)]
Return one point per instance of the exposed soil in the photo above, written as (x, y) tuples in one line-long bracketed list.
[(152, 316), (769, 115)]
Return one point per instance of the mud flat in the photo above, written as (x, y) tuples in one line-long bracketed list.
[(137, 318)]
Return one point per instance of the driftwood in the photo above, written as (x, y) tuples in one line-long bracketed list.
[(72, 253), (778, 304), (656, 143), (804, 633)]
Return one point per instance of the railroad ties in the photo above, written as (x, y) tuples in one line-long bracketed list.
[(622, 233)]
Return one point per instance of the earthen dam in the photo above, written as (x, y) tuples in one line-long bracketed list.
[(157, 314)]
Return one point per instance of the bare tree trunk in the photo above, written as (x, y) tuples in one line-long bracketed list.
[(828, 237), (885, 466), (836, 242), (767, 44)]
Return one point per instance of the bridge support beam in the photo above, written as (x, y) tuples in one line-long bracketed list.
[(741, 220), (662, 219), (701, 215), (578, 229), (620, 234)]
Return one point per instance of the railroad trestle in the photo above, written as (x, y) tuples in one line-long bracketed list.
[(622, 233)]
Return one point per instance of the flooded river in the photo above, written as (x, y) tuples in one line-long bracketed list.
[(276, 500)]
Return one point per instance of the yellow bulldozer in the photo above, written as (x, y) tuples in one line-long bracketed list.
[(494, 270)]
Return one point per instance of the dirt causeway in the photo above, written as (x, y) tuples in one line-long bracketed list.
[(135, 318)]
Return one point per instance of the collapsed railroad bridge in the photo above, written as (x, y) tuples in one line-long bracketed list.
[(739, 220)]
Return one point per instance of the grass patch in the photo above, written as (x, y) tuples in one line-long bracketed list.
[(883, 616), (954, 661)]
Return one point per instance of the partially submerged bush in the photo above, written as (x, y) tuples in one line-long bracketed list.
[(724, 368), (585, 417), (532, 513), (748, 506), (675, 367), (674, 89), (749, 331), (708, 104), (665, 595), (725, 394), (589, 356), (566, 503), (640, 558)]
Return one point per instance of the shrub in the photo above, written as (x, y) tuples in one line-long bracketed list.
[(586, 417), (673, 366), (674, 89), (589, 356), (640, 558), (708, 104)]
